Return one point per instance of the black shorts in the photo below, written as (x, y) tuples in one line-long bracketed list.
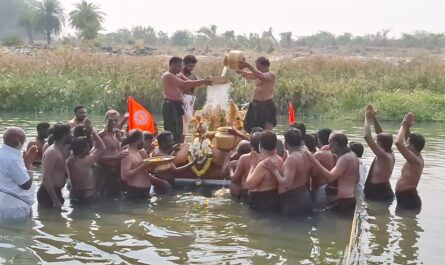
[(331, 188), (44, 199), (408, 199), (259, 113), (264, 200), (296, 201), (137, 193), (379, 192), (109, 179), (344, 205), (172, 112)]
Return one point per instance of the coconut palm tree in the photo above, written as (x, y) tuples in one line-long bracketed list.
[(50, 18), (87, 18)]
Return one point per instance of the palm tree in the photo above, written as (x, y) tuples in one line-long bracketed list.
[(50, 18), (87, 18)]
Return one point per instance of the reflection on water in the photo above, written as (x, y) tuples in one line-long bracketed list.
[(190, 226)]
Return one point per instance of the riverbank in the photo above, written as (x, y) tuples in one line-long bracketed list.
[(327, 86)]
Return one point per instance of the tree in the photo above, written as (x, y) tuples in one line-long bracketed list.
[(210, 31), (49, 18), (181, 38), (87, 18), (162, 38), (286, 39), (147, 34), (26, 20)]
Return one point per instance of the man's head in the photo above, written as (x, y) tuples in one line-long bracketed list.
[(338, 143), (262, 64), (14, 137), (293, 138), (80, 146), (135, 138), (243, 147), (384, 140), (310, 142), (114, 116), (148, 140), (255, 130), (79, 131), (62, 133), (189, 63), (80, 113), (166, 141), (323, 137), (175, 65), (268, 141), (416, 142), (357, 148), (255, 142), (43, 130), (300, 126)]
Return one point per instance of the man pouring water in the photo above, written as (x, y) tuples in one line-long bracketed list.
[(261, 111)]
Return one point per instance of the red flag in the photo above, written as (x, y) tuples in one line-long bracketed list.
[(139, 117), (291, 114)]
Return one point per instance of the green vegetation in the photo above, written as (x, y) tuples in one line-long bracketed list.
[(49, 18), (328, 86), (87, 18)]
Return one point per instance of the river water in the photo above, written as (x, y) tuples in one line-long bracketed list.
[(191, 226)]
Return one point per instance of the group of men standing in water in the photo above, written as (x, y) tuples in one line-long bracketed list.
[(270, 175)]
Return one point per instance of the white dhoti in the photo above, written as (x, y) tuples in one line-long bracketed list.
[(12, 208), (189, 102)]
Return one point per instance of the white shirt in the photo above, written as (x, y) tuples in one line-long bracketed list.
[(13, 173), (363, 174)]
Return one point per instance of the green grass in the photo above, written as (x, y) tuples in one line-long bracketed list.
[(327, 86)]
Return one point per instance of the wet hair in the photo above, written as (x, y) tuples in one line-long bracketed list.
[(78, 145), (175, 60), (243, 147), (323, 136), (109, 113), (42, 126), (268, 140), (300, 126), (310, 142), (256, 129), (60, 130), (263, 61), (340, 139), (133, 136), (78, 108), (386, 141), (190, 59), (417, 141), (255, 141), (79, 131), (357, 148), (50, 139), (293, 137), (163, 136), (147, 136)]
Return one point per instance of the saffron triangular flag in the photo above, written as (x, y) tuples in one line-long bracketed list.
[(291, 114), (139, 117)]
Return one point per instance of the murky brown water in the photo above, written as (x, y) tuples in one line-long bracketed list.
[(191, 226)]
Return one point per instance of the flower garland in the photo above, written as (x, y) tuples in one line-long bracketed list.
[(201, 172)]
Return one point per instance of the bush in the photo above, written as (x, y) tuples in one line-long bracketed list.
[(12, 41)]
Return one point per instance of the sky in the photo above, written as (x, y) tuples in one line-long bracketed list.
[(300, 17)]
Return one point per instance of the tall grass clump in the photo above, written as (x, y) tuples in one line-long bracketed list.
[(329, 86)]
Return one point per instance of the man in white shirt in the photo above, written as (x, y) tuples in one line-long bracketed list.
[(16, 188)]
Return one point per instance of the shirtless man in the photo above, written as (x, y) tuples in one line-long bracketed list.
[(172, 108), (135, 172), (345, 171), (377, 186), (80, 116), (39, 141), (294, 196), (410, 145), (190, 62), (260, 182), (80, 167), (147, 145), (54, 169), (262, 110), (108, 167), (327, 160), (238, 176)]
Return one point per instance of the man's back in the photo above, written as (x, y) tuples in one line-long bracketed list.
[(54, 158), (265, 88), (268, 181), (347, 181)]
